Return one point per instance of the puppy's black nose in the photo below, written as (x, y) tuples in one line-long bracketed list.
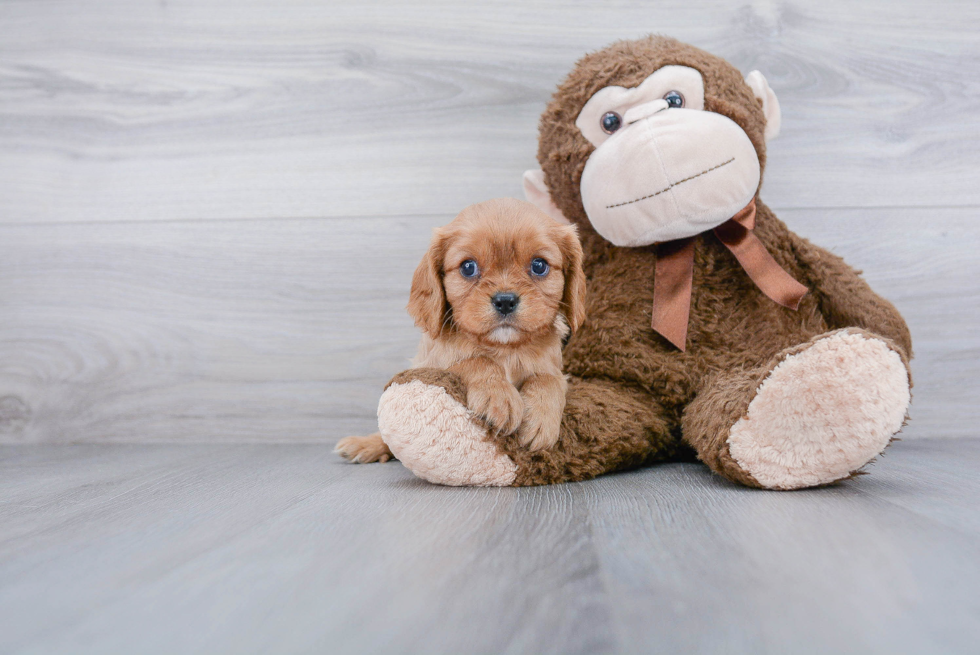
[(505, 303)]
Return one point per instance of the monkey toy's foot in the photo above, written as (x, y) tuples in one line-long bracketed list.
[(424, 420), (822, 412)]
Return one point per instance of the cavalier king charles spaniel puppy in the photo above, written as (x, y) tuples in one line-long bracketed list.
[(497, 292)]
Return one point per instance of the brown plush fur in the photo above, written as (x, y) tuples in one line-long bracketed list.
[(633, 398)]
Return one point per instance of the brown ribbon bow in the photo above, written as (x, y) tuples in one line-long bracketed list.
[(675, 274)]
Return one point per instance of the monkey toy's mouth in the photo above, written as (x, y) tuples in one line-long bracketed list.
[(671, 176), (672, 185)]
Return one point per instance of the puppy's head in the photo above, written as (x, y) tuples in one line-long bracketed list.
[(501, 272)]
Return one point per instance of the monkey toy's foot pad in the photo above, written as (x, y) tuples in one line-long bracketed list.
[(823, 412), (436, 437)]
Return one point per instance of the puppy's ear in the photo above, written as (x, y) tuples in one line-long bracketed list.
[(427, 301), (573, 299)]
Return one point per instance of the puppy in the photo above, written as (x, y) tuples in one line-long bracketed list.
[(498, 290)]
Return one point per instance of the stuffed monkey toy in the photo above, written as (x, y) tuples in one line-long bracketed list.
[(712, 330)]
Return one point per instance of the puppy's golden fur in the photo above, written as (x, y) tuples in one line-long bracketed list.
[(510, 363)]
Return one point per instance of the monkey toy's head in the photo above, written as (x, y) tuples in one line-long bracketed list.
[(652, 140)]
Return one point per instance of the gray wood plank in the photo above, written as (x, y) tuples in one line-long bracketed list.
[(129, 111), (287, 330), (203, 331), (921, 474), (262, 548), (835, 569), (272, 516)]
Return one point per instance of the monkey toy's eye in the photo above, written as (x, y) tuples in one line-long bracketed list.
[(610, 122), (539, 267), (469, 268), (674, 99)]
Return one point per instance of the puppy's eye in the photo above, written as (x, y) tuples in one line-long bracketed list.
[(469, 268), (674, 99), (539, 267), (610, 122)]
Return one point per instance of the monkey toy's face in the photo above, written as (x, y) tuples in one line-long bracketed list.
[(664, 163), (662, 168)]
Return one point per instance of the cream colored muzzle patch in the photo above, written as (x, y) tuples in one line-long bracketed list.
[(668, 174)]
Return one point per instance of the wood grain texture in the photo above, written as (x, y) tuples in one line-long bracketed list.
[(203, 331), (122, 111), (261, 548), (210, 211), (288, 330)]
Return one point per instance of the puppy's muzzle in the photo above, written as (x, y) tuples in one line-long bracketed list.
[(505, 303)]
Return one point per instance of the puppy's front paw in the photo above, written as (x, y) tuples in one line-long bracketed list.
[(362, 450), (499, 404), (539, 429)]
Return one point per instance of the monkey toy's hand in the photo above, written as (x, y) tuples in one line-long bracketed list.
[(424, 419)]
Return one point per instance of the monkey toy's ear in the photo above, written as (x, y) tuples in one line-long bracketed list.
[(770, 105), (537, 194)]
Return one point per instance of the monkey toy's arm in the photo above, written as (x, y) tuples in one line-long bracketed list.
[(845, 299)]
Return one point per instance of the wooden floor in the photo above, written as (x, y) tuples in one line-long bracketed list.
[(284, 549)]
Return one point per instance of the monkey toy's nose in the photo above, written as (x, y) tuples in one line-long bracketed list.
[(646, 110), (505, 303)]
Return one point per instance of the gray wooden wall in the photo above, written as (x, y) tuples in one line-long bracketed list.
[(210, 209)]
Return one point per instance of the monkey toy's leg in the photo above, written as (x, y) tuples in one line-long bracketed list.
[(605, 427), (813, 414)]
